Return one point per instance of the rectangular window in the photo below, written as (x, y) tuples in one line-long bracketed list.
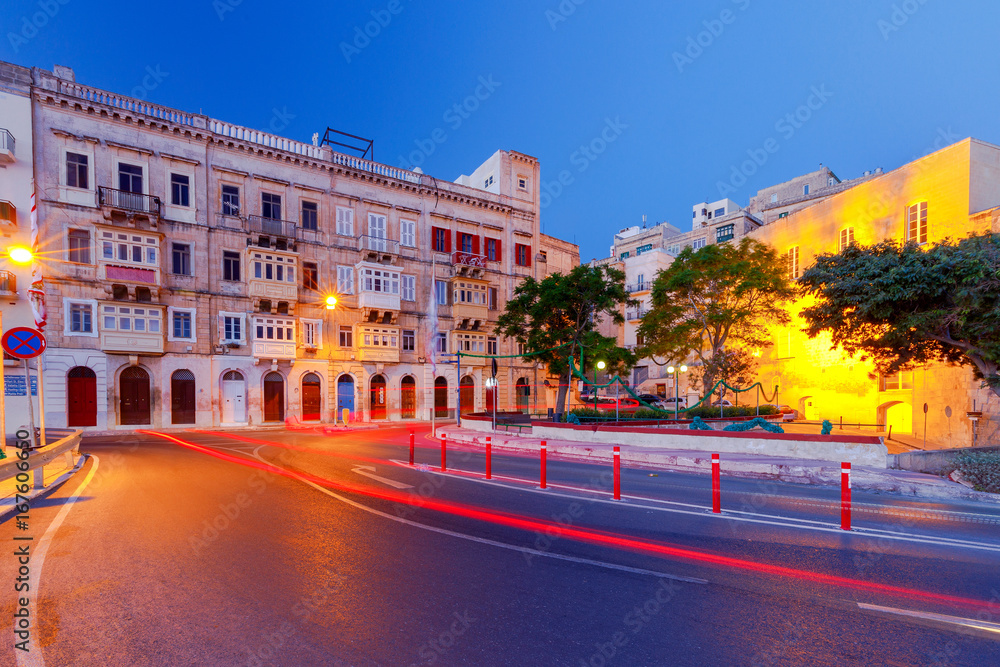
[(270, 206), (378, 280), (725, 233), (792, 263), (273, 267), (698, 244), (79, 246), (491, 345), (805, 189), (440, 239), (408, 285), (522, 182), (230, 200), (128, 318), (846, 237), (522, 254), (345, 221), (346, 337), (181, 258), (231, 265), (182, 325), (441, 292), (232, 328), (492, 250), (896, 381), (493, 298), (465, 242), (77, 171), (442, 343), (310, 275), (129, 178), (180, 190), (129, 248), (311, 336), (409, 340), (916, 223), (81, 318), (310, 215), (408, 233), (345, 279)]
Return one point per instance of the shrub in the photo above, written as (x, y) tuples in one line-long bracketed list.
[(735, 411), (981, 469)]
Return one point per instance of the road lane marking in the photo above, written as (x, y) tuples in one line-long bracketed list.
[(483, 540), (33, 656), (941, 618), (369, 472), (731, 515)]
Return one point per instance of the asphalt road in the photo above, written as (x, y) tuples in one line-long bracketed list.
[(300, 549)]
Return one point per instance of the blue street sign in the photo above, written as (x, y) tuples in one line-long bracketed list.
[(14, 385)]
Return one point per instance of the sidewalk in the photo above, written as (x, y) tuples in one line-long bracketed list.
[(798, 471), (56, 473)]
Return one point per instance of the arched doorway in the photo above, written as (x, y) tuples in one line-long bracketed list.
[(523, 391), (440, 397), (808, 408), (134, 408), (234, 398), (378, 398), (408, 397), (898, 416), (467, 395), (182, 397), (312, 398), (274, 397), (81, 397), (345, 395)]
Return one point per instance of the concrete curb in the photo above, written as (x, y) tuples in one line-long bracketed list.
[(822, 473), (36, 494)]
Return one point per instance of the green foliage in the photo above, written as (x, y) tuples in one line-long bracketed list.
[(714, 296), (827, 427), (564, 310), (698, 424), (732, 411), (736, 367), (981, 469), (573, 419), (901, 306), (649, 413), (754, 423)]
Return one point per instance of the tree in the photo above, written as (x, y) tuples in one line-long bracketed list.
[(736, 366), (718, 295), (901, 306), (563, 310)]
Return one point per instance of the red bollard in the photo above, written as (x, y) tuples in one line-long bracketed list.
[(618, 473), (541, 484), (716, 486), (411, 447), (489, 457), (444, 453), (845, 496)]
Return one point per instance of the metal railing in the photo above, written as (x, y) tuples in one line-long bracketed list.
[(636, 314), (377, 244), (8, 282), (638, 287), (6, 140), (236, 223), (261, 225), (129, 201), (459, 258)]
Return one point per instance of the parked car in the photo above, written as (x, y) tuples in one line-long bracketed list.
[(788, 413), (625, 405), (723, 403), (655, 401), (669, 403)]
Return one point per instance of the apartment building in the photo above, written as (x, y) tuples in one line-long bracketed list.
[(189, 263)]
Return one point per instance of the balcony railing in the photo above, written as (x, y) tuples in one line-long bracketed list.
[(377, 244), (639, 287), (8, 283), (8, 213), (468, 259), (261, 225), (632, 315), (135, 202), (6, 145), (235, 223)]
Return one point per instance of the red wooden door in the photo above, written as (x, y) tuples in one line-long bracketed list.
[(81, 397)]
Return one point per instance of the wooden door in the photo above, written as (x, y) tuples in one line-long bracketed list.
[(134, 408), (274, 398), (378, 398), (81, 397), (312, 398), (182, 397), (408, 396)]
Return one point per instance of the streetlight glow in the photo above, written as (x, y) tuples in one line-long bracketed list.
[(331, 302), (20, 255), (600, 365), (684, 369), (671, 369)]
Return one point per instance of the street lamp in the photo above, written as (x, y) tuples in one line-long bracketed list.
[(600, 366), (331, 302), (20, 255), (675, 372)]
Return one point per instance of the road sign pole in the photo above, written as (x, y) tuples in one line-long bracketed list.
[(716, 486), (3, 400), (845, 496), (40, 370)]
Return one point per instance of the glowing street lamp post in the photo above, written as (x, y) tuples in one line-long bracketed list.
[(600, 366), (17, 255), (675, 372)]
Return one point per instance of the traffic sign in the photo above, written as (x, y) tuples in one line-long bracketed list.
[(494, 367), (23, 342)]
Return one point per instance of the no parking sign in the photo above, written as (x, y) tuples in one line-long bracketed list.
[(23, 342)]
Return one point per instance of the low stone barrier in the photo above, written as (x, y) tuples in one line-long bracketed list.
[(858, 450)]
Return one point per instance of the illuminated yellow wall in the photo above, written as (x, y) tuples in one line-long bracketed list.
[(957, 183)]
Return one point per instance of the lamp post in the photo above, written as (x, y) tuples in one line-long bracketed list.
[(600, 366), (675, 372), (21, 256), (331, 304)]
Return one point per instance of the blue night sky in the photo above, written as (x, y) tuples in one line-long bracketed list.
[(889, 80)]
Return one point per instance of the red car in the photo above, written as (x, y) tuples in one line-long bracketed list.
[(625, 405)]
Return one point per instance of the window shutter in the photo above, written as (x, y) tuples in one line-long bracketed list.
[(527, 255), (499, 251), (475, 245), (222, 328), (447, 241)]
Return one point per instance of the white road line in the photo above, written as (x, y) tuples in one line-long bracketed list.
[(941, 618), (33, 656), (731, 515), (482, 540), (369, 472)]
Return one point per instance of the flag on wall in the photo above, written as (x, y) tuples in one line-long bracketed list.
[(432, 313), (36, 293)]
